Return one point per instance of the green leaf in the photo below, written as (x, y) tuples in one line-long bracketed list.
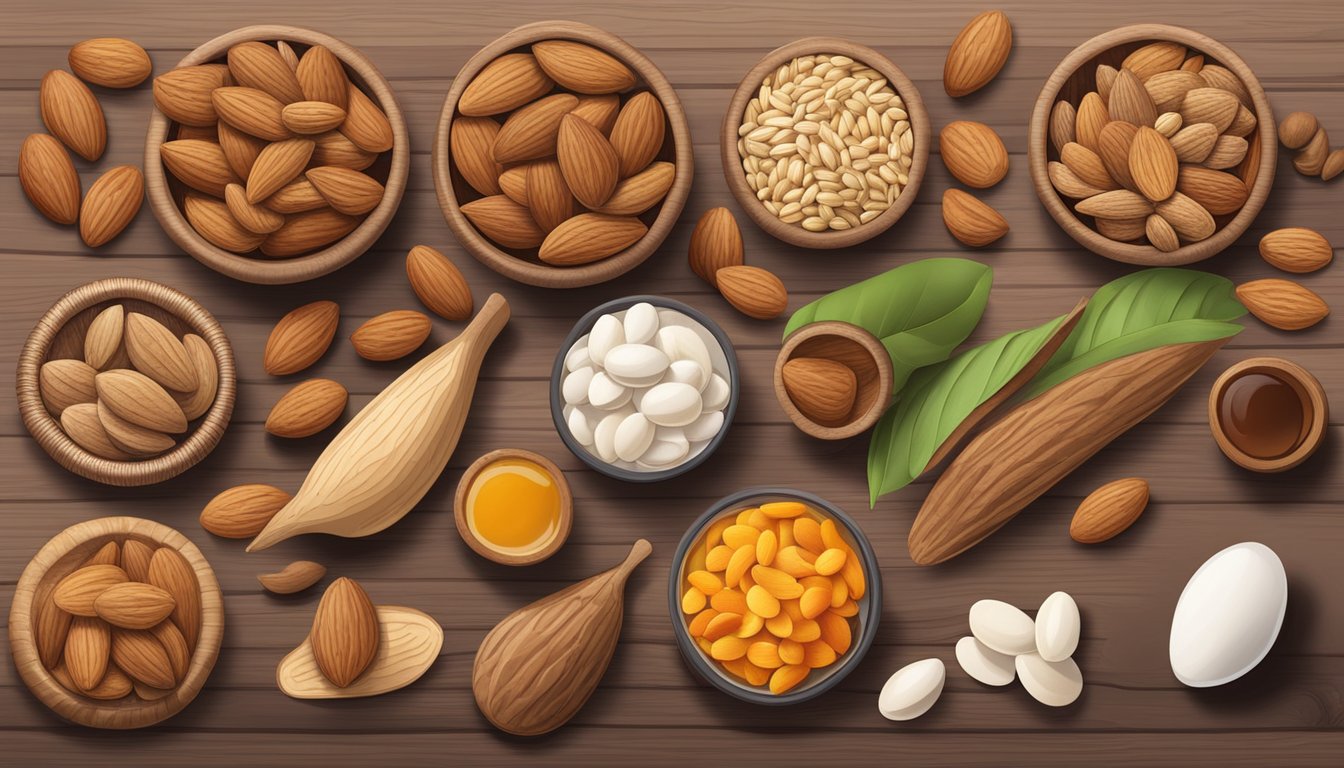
[(921, 311), (938, 399)]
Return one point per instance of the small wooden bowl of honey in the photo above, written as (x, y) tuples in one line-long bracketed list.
[(513, 507), (1268, 414)]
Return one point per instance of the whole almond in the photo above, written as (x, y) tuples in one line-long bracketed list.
[(135, 556), (589, 237), (252, 111), (753, 291), (637, 134), (1091, 118), (1129, 101), (1063, 119), (304, 232), (170, 571), (175, 646), (582, 68), (530, 132), (505, 84), (1224, 79), (301, 338), (1217, 192), (1193, 64), (970, 220), (1228, 152), (82, 424), (438, 283), (1113, 147), (295, 577), (242, 511), (1192, 221), (72, 114), (200, 165), (298, 196), (277, 165), (112, 202), (183, 94), (1106, 75), (63, 383), (1116, 204), (1193, 143), (513, 182), (1310, 160), (391, 335), (1168, 124), (213, 221), (258, 65), (104, 337), (1334, 165), (240, 149), (140, 655), (549, 198), (1087, 166), (471, 142), (111, 62), (307, 409), (49, 179), (1152, 164), (194, 404), (114, 685), (335, 148), (157, 352), (140, 400), (504, 221), (51, 625), (366, 125), (310, 117), (1297, 129), (345, 632), (973, 153), (977, 54), (1167, 89), (1243, 123), (642, 191), (1283, 304), (1123, 230), (822, 389), (587, 160), (75, 593), (1109, 510), (146, 693), (88, 648), (108, 554), (132, 605), (1209, 105), (345, 189), (1067, 183), (1153, 58), (322, 77), (599, 110), (131, 438), (716, 242), (254, 217), (1161, 234)]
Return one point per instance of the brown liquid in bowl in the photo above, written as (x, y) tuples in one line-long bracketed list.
[(1262, 415)]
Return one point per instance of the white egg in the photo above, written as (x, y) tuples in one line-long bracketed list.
[(984, 663), (641, 323), (1057, 627), (1053, 683), (575, 386), (1229, 615), (577, 357), (716, 393), (606, 394), (671, 404), (604, 435), (912, 690), (633, 437), (705, 427), (1003, 627), (607, 333), (579, 427), (681, 343), (635, 362), (688, 372)]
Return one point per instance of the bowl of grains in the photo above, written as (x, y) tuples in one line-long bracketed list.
[(825, 143)]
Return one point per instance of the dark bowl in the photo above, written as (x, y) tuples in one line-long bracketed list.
[(870, 605), (585, 325)]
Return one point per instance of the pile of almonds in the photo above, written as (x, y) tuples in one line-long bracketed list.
[(574, 163), (1153, 154), (1301, 131), (126, 621), (272, 146), (716, 257), (138, 385)]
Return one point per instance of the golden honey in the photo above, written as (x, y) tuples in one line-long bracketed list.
[(513, 506)]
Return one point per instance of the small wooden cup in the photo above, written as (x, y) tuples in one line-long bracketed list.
[(60, 333), (1076, 75), (61, 556), (165, 194), (483, 548), (524, 266), (751, 84), (1315, 411), (858, 349)]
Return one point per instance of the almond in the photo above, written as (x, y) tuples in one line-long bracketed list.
[(530, 133), (242, 511), (1283, 304), (346, 190), (1209, 105), (1063, 118), (287, 53), (183, 94), (111, 62), (1123, 230), (194, 404), (301, 338), (1243, 123), (637, 134), (1153, 58), (1160, 233), (970, 220), (170, 571), (1216, 191), (140, 400), (1167, 89), (1191, 220), (309, 231), (716, 242), (156, 352), (132, 605), (63, 383), (213, 221), (1194, 63), (642, 191), (1109, 510), (297, 196), (582, 68), (1224, 79), (252, 111), (175, 646), (1087, 166), (51, 625), (104, 337), (977, 54), (255, 218), (112, 202), (277, 165), (1334, 165), (114, 685), (75, 593), (135, 556), (260, 66), (1067, 183), (589, 237), (310, 117), (200, 165), (471, 143), (345, 632), (1228, 152), (1091, 118), (307, 409), (334, 148), (296, 577), (1130, 101), (391, 335), (1106, 75), (108, 554), (146, 693), (1153, 165), (822, 389), (1168, 124), (973, 153), (513, 183), (72, 114), (1193, 143), (753, 291), (365, 123), (321, 76), (1310, 160), (1113, 147), (504, 221), (49, 178), (131, 438), (1116, 204), (587, 160), (240, 150), (549, 198), (142, 657), (600, 110), (438, 283), (504, 85), (81, 424), (88, 647), (1297, 129)]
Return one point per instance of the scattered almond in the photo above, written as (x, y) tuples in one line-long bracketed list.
[(391, 335), (977, 54), (1334, 165), (970, 220), (111, 204), (973, 153), (301, 338), (438, 283), (72, 114), (1297, 129), (1109, 510), (111, 62), (1310, 160), (716, 242), (295, 577), (307, 409), (242, 511), (753, 291), (49, 179), (344, 636), (1283, 304)]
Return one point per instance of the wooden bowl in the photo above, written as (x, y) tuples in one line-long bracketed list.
[(62, 555), (524, 266), (732, 163), (483, 548), (1076, 75), (858, 349), (1315, 408), (59, 334), (165, 194)]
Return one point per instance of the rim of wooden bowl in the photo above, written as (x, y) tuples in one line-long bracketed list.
[(123, 713), (545, 275), (849, 332), (1309, 391), (732, 163), (47, 430), (264, 271), (1147, 255), (485, 550)]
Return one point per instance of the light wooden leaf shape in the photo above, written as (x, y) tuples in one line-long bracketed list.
[(408, 645), (538, 666), (376, 469)]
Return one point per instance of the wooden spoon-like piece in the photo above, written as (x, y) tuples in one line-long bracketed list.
[(408, 645)]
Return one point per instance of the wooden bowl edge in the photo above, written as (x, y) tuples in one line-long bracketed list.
[(483, 549)]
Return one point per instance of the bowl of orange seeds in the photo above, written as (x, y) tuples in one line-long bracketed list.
[(775, 596)]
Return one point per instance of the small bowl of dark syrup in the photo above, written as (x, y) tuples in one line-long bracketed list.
[(1268, 414)]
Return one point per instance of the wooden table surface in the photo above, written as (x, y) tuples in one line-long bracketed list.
[(649, 708)]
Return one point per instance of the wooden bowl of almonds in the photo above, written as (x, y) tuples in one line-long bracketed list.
[(116, 623), (805, 162), (1153, 144), (275, 154), (127, 382), (562, 156)]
